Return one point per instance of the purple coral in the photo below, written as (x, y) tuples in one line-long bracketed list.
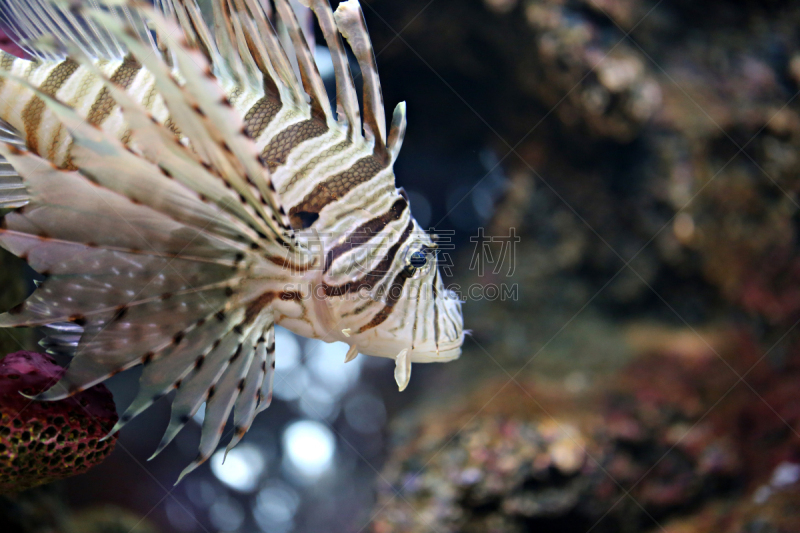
[(41, 442), (7, 45)]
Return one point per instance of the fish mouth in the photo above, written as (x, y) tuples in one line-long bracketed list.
[(446, 352), (442, 353)]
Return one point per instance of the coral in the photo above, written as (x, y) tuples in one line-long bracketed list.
[(503, 471), (44, 441), (487, 473), (7, 45), (674, 438), (777, 513)]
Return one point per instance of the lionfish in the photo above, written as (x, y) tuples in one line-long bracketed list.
[(182, 186)]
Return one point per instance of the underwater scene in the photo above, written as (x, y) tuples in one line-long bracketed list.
[(222, 281)]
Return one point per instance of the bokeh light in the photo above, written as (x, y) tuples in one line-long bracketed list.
[(288, 356), (326, 362), (242, 469), (226, 514), (289, 385), (275, 507), (309, 448)]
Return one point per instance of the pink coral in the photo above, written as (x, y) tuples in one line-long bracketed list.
[(7, 45), (41, 442)]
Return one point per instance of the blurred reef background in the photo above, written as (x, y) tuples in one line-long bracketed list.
[(641, 374)]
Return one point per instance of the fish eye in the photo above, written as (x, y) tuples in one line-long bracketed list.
[(418, 260)]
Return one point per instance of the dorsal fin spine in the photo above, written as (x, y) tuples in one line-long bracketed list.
[(312, 81), (225, 36), (252, 71), (29, 21), (350, 20), (243, 156), (398, 131), (346, 99), (274, 50)]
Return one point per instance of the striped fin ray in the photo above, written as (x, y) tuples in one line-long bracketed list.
[(79, 280), (243, 42), (40, 27), (239, 63), (190, 18), (220, 403), (67, 208), (165, 371), (106, 162), (202, 112), (171, 274), (346, 99), (166, 323), (227, 391), (13, 193), (397, 132), (259, 378), (265, 397), (350, 20), (262, 37), (312, 81), (174, 160), (121, 338), (199, 385)]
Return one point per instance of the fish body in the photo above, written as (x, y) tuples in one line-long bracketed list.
[(182, 191)]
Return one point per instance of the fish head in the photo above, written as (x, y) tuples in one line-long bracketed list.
[(408, 310)]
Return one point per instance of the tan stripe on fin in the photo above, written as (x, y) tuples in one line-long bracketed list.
[(32, 114), (104, 105)]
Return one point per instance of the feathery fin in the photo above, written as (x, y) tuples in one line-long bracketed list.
[(163, 371), (346, 99), (215, 131), (96, 154), (271, 56), (197, 32), (350, 20), (219, 405), (13, 193), (398, 131), (260, 371), (202, 204), (312, 81), (108, 346), (231, 45), (161, 147), (33, 23), (265, 398), (199, 386)]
